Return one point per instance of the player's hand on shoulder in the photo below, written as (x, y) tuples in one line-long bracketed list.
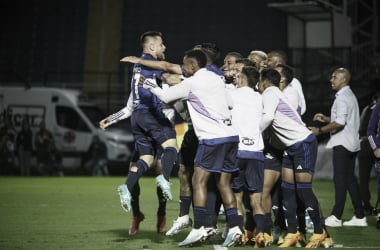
[(149, 83)]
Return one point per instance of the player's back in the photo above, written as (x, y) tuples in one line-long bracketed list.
[(208, 106)]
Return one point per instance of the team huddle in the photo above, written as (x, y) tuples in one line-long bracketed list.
[(246, 149)]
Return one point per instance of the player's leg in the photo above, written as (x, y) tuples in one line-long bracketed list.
[(161, 211), (186, 169)]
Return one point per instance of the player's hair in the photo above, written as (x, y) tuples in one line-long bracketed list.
[(237, 55), (252, 75), (271, 75), (260, 53), (280, 54), (287, 72), (210, 49), (144, 38), (199, 56), (246, 62)]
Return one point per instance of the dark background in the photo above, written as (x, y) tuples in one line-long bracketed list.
[(78, 43)]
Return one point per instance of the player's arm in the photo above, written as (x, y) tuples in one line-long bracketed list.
[(270, 103), (321, 118), (120, 115), (171, 79), (160, 65), (179, 91), (373, 130)]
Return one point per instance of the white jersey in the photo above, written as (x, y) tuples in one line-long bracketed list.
[(295, 83), (286, 123), (207, 103), (247, 108), (293, 98)]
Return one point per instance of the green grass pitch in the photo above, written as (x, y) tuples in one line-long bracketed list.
[(84, 213)]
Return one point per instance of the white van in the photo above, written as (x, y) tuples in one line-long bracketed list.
[(72, 119)]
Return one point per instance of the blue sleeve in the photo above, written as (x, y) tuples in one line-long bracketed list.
[(373, 127)]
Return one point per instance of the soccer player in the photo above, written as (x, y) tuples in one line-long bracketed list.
[(190, 141), (216, 154), (298, 165), (259, 58), (149, 124), (246, 113), (373, 133)]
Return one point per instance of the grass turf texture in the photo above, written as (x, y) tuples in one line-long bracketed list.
[(84, 213)]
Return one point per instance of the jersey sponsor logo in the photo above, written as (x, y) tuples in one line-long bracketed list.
[(247, 141)]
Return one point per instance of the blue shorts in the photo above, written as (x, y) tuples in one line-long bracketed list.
[(135, 156), (250, 175), (188, 147), (217, 158), (147, 127), (273, 158), (302, 156)]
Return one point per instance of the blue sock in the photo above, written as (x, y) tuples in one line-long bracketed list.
[(306, 194), (213, 201), (234, 219), (168, 158), (135, 200), (268, 223), (199, 216), (184, 205), (290, 206), (133, 177), (259, 220)]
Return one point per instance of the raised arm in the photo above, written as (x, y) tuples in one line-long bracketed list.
[(160, 65)]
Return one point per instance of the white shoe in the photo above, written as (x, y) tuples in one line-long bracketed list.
[(179, 224), (195, 235), (332, 221), (356, 222), (165, 187), (125, 197), (233, 237)]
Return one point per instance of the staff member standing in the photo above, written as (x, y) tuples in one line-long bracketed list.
[(343, 126)]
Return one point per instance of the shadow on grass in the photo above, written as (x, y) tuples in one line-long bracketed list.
[(147, 235), (151, 236)]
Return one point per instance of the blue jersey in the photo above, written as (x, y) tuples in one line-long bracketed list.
[(143, 98), (215, 69)]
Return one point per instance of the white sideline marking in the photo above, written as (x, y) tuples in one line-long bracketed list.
[(342, 246), (219, 247)]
